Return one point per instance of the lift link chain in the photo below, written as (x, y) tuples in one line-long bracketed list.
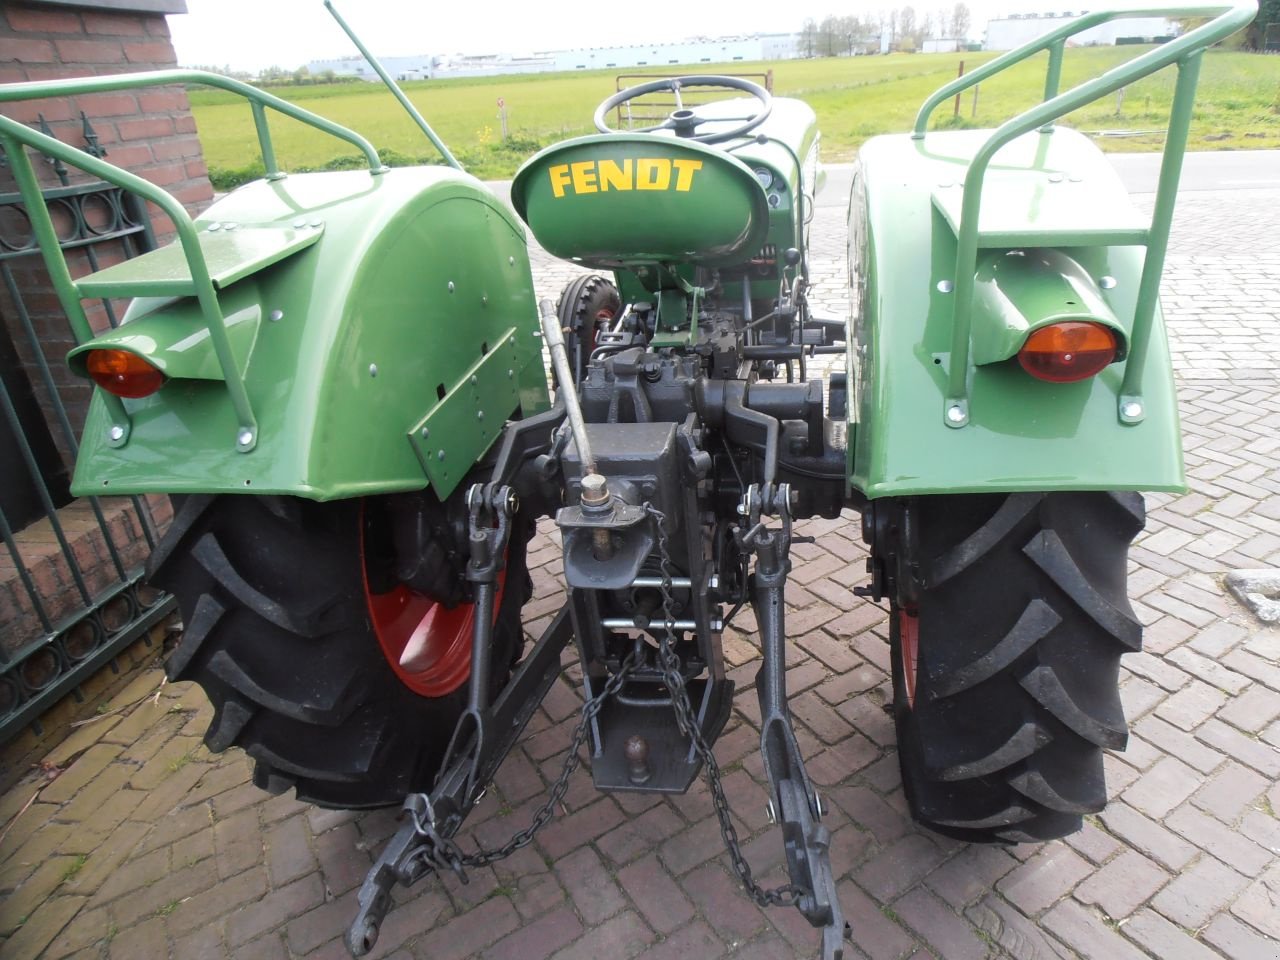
[(786, 895), (483, 857)]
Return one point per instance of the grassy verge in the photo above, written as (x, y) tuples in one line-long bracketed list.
[(855, 98)]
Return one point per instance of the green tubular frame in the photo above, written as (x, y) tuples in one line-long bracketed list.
[(1186, 51), (14, 136)]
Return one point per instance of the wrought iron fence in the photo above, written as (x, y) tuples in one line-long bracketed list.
[(71, 589)]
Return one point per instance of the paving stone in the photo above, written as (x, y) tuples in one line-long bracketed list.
[(1259, 905), (80, 774), (659, 899), (640, 834), (1192, 705), (623, 936), (1147, 836), (1091, 841), (289, 853), (191, 912), (48, 920), (1178, 743), (539, 939), (274, 909), (26, 899), (1044, 879), (592, 890), (1087, 935), (693, 942), (946, 933), (1199, 892), (1020, 937), (1162, 939), (1228, 845), (1238, 941), (146, 939), (1165, 785), (899, 867), (970, 874), (878, 937), (1253, 753), (1229, 792), (1122, 885)]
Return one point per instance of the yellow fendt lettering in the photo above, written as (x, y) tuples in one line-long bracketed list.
[(601, 176), (614, 177)]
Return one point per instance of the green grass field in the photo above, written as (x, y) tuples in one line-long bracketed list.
[(855, 98)]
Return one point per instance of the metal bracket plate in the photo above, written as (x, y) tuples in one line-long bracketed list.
[(461, 427)]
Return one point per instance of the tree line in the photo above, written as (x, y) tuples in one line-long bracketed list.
[(903, 28)]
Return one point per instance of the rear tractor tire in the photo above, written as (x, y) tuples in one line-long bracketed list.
[(1007, 623), (286, 627)]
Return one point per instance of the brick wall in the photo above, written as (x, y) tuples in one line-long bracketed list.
[(149, 132)]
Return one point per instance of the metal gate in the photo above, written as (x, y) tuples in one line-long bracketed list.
[(71, 594)]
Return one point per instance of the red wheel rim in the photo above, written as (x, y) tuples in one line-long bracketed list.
[(909, 651), (427, 644)]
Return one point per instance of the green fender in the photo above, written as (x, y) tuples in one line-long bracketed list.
[(1023, 433), (382, 355)]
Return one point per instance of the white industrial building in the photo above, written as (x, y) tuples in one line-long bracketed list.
[(769, 46), (1005, 33)]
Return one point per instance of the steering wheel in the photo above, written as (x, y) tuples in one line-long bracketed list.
[(683, 120)]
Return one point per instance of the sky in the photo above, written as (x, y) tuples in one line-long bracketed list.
[(252, 34)]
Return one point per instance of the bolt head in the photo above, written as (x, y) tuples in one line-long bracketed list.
[(116, 433), (1055, 178), (425, 433), (317, 223), (1132, 410), (213, 227), (945, 286), (440, 455), (479, 414), (451, 286), (373, 369), (244, 438), (1107, 283), (955, 414), (275, 316)]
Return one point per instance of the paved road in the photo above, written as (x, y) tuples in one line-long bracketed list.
[(147, 846)]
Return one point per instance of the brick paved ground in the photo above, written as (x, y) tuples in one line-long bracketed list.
[(147, 846)]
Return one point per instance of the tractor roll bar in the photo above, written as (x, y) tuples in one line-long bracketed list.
[(259, 100), (1185, 51)]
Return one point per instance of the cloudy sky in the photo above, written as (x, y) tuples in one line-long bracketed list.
[(250, 34)]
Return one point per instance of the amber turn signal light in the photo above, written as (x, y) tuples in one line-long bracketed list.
[(1068, 351), (123, 373)]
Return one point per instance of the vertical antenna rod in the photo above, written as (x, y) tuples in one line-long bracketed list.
[(395, 89)]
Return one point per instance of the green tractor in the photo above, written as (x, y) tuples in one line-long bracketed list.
[(340, 379)]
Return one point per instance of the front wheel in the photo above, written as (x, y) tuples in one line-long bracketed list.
[(1007, 625), (297, 626)]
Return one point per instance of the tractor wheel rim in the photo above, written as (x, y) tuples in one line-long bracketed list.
[(426, 644), (909, 652)]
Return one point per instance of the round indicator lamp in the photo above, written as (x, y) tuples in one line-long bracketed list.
[(764, 176)]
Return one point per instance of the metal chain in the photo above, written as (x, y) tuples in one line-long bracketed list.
[(483, 857), (788, 894)]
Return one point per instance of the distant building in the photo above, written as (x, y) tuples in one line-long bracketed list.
[(942, 44), (1005, 33), (769, 46)]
